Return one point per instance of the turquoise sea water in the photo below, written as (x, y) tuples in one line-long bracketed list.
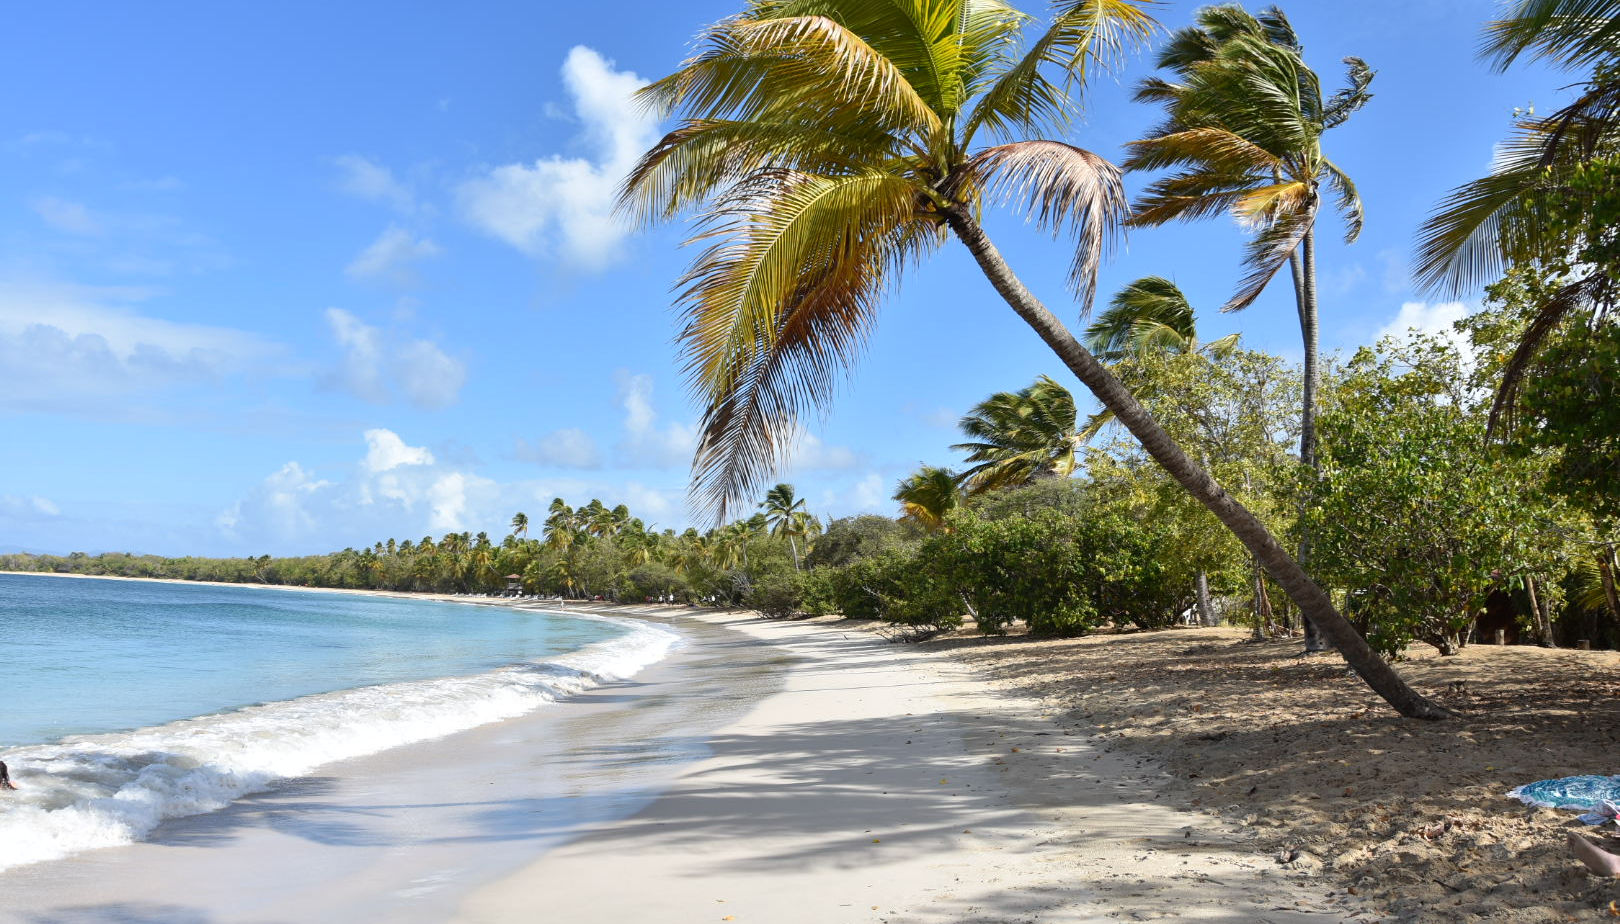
[(129, 702)]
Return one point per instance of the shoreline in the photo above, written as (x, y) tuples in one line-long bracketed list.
[(848, 780)]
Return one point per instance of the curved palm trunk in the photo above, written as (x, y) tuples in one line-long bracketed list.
[(1312, 600), (1303, 263)]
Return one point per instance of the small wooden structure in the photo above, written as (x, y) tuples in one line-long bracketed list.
[(514, 585)]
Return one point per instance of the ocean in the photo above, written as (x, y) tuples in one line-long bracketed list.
[(127, 703)]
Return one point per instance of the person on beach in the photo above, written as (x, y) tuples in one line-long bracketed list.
[(1597, 859), (5, 777)]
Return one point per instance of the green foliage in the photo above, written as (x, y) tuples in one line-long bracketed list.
[(776, 596), (1414, 516), (849, 538)]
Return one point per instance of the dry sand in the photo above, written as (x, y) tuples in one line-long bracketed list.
[(887, 783), (1411, 816)]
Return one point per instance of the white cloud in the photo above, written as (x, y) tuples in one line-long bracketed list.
[(808, 452), (385, 451), (71, 217), (1424, 318), (565, 205), (390, 256), (570, 447), (646, 444), (447, 497), (71, 347), (373, 182), (394, 489), (374, 366), (871, 493), (27, 507)]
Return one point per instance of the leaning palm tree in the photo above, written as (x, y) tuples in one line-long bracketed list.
[(1149, 316), (828, 145), (1020, 437), (1245, 118), (520, 524), (1484, 226), (788, 516), (928, 496)]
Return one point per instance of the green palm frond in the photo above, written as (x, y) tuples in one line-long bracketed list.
[(1573, 34), (762, 68), (1019, 437), (1148, 315), (1086, 35), (1481, 226), (928, 496)]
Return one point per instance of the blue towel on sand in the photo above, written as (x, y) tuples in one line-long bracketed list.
[(1597, 796)]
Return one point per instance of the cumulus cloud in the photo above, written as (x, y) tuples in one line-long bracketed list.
[(564, 205), (366, 179), (385, 451), (65, 347), (1424, 318), (380, 368), (647, 444), (570, 447), (391, 256), (392, 489), (71, 217)]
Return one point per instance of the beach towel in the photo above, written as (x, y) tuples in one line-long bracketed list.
[(1597, 796)]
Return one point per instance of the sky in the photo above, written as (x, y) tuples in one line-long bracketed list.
[(285, 278)]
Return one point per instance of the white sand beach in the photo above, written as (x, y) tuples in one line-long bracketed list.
[(768, 771)]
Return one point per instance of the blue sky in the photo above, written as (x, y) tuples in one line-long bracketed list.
[(289, 277)]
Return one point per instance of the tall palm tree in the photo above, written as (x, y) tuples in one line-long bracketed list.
[(788, 516), (828, 145), (1484, 226), (520, 524), (928, 496), (1245, 118), (1020, 437)]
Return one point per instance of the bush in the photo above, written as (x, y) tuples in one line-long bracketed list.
[(776, 596)]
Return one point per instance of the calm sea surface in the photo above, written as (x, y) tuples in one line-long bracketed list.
[(124, 703)]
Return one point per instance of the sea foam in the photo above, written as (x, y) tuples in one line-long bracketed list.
[(93, 791)]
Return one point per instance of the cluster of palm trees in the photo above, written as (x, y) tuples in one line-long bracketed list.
[(826, 146)]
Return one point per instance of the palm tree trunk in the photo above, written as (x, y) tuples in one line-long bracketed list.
[(1605, 560), (1244, 525), (1303, 264), (795, 547), (1206, 607)]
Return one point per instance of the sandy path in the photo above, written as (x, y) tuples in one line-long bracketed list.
[(885, 784)]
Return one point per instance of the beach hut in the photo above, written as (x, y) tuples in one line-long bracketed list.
[(514, 585)]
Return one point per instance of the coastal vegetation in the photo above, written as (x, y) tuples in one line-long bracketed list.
[(1390, 496)]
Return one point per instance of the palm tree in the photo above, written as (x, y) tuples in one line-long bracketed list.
[(830, 144), (1151, 315), (1244, 129), (1020, 437), (520, 524), (787, 516), (1485, 226), (562, 525), (928, 496)]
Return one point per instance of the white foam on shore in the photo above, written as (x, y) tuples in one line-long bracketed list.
[(93, 791)]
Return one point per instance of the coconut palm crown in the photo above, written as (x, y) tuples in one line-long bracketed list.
[(1020, 437), (825, 141)]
